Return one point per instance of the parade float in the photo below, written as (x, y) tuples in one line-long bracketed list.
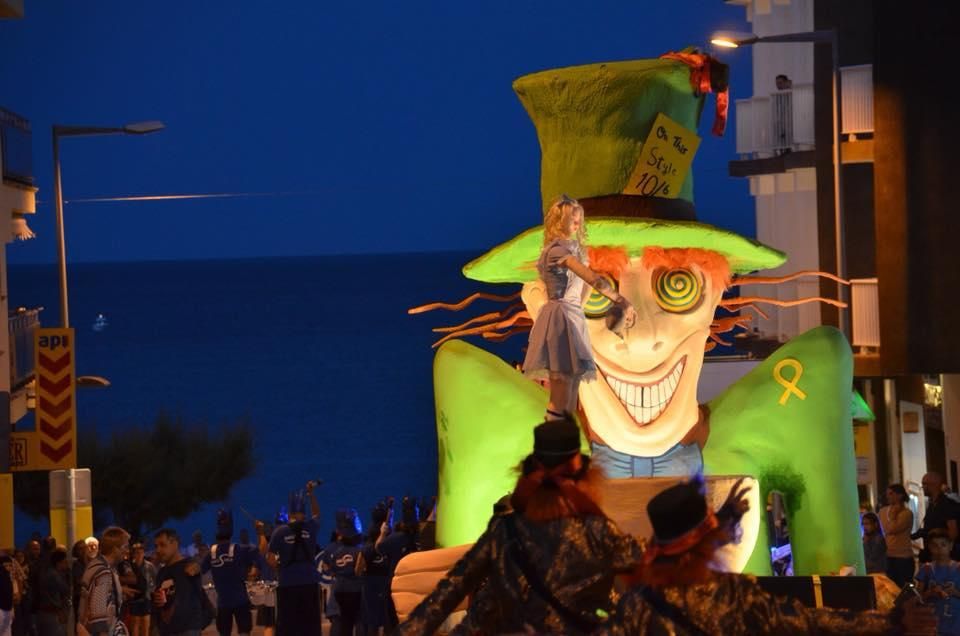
[(620, 138)]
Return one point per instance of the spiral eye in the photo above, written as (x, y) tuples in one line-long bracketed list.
[(677, 290), (597, 304)]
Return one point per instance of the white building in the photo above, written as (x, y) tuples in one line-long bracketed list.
[(778, 130)]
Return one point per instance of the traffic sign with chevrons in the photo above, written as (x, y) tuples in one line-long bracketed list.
[(56, 409)]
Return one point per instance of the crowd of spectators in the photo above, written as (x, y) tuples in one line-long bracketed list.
[(547, 561), (111, 585)]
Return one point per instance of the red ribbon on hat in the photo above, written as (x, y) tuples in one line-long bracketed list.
[(562, 477), (699, 64), (684, 542)]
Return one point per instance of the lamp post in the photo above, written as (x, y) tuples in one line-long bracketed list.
[(825, 36), (139, 128)]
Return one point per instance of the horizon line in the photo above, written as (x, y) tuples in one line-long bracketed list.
[(245, 258)]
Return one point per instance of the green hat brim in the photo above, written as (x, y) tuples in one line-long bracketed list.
[(515, 261)]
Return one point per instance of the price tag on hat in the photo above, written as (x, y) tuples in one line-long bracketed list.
[(664, 161)]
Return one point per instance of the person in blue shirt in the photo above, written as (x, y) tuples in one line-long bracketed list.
[(228, 562), (401, 540), (374, 570), (330, 609), (939, 582), (340, 559), (292, 548), (179, 601)]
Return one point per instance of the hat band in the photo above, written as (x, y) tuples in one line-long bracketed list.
[(556, 453), (628, 205), (685, 541)]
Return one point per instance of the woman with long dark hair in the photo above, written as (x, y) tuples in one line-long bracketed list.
[(549, 565)]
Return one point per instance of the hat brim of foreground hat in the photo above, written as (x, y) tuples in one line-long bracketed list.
[(515, 261)]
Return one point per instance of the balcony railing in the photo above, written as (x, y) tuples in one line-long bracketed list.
[(16, 144), (856, 99), (22, 323), (776, 123), (865, 303)]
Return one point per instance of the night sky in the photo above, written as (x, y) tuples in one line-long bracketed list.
[(377, 126)]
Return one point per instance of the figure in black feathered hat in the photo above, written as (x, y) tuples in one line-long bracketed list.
[(292, 548), (373, 567), (556, 543), (229, 563), (340, 559), (677, 591)]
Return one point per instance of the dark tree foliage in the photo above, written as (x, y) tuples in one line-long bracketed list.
[(144, 477)]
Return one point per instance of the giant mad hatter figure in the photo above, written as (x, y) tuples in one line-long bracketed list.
[(786, 424)]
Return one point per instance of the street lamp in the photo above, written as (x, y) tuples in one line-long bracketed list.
[(138, 128), (825, 36)]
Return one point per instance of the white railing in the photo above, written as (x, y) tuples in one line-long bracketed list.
[(856, 99), (866, 312), (775, 123)]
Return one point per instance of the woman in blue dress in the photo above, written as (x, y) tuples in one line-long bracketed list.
[(559, 347)]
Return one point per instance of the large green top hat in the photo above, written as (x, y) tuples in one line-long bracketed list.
[(592, 121)]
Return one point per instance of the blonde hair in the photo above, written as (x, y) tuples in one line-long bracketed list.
[(556, 220)]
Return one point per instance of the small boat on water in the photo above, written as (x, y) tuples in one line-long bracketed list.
[(100, 323)]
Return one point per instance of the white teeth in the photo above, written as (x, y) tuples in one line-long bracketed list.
[(645, 403)]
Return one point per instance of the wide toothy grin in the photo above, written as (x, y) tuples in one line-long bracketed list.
[(646, 401)]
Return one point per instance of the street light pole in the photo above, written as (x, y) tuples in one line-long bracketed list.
[(839, 233), (61, 241), (139, 128), (824, 36)]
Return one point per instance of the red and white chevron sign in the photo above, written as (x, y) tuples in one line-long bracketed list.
[(56, 409)]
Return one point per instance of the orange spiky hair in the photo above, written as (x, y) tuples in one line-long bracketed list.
[(710, 263), (608, 260), (612, 260)]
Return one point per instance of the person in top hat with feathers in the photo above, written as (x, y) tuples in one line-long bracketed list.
[(292, 548), (548, 566), (677, 592)]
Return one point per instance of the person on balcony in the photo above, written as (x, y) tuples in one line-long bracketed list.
[(783, 114)]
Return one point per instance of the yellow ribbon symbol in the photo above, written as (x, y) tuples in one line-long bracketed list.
[(791, 384)]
